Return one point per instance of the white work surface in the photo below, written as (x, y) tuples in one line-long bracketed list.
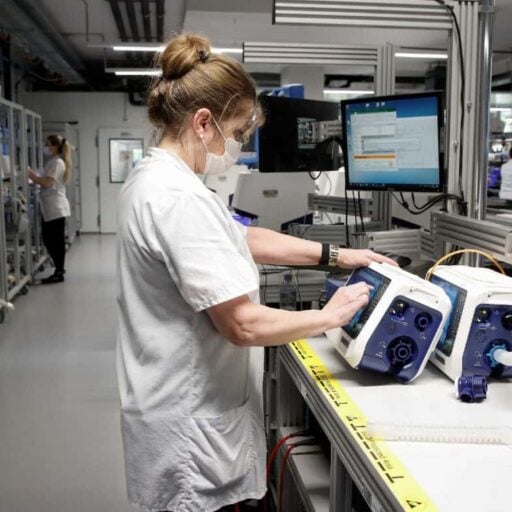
[(456, 477)]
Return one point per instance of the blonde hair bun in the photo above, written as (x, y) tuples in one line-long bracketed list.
[(182, 54)]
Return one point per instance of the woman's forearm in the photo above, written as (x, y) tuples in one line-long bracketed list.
[(247, 324), (44, 181), (272, 248), (251, 324)]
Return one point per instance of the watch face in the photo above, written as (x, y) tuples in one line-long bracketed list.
[(333, 255)]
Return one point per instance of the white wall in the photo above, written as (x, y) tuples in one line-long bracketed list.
[(313, 82), (92, 111)]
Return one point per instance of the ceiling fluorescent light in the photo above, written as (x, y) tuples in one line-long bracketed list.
[(234, 51), (501, 109), (134, 71), (347, 91), (138, 48), (408, 55), (161, 48)]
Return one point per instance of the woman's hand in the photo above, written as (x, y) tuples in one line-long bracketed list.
[(31, 174), (345, 303), (354, 258)]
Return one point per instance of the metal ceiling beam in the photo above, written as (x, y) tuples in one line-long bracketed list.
[(132, 19), (146, 19), (27, 20)]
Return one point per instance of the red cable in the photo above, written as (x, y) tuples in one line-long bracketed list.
[(272, 456), (281, 475), (274, 452)]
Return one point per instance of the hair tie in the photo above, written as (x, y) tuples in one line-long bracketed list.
[(202, 55)]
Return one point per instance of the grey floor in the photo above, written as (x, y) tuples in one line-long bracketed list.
[(60, 446)]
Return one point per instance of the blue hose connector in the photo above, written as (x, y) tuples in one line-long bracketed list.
[(472, 388)]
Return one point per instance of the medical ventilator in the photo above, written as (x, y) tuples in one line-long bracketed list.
[(399, 328), (477, 340)]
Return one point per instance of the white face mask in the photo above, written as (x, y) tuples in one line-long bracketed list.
[(219, 164)]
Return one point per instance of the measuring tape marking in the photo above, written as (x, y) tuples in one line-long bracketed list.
[(403, 486)]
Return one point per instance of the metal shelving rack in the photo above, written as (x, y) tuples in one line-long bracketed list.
[(15, 237), (34, 151)]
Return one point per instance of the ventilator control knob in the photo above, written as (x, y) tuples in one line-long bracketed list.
[(422, 321), (506, 320), (401, 351), (483, 315), (398, 308)]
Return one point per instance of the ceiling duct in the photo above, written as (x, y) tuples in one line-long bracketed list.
[(309, 53), (408, 14), (26, 20)]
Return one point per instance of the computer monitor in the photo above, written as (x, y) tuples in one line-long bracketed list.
[(393, 142), (285, 140)]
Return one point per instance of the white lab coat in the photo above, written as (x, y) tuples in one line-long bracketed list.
[(54, 203), (193, 437)]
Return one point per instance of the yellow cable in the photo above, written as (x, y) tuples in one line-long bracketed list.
[(462, 251)]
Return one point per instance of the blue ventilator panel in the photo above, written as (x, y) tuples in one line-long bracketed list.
[(399, 328), (480, 323)]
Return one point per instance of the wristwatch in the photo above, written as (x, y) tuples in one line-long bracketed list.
[(334, 251), (329, 255)]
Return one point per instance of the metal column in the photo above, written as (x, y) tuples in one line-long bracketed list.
[(485, 74), (384, 85), (35, 161)]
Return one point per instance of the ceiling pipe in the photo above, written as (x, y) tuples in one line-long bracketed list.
[(116, 12), (160, 13), (146, 19), (132, 19), (86, 6), (5, 53), (30, 23)]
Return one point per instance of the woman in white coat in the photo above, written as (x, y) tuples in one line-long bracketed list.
[(54, 202), (188, 288)]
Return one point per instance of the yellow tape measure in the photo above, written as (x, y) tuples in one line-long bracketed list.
[(403, 486)]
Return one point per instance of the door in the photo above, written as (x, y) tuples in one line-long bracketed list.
[(119, 150)]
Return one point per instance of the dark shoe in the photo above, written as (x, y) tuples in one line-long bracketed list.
[(55, 278)]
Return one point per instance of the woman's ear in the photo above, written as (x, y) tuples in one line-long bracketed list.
[(202, 125)]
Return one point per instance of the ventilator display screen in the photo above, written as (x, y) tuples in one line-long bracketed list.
[(379, 284), (458, 298), (393, 142)]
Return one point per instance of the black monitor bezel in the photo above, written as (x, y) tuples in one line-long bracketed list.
[(270, 154), (440, 187)]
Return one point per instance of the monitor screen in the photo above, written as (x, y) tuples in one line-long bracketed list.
[(458, 298), (285, 140), (393, 142)]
